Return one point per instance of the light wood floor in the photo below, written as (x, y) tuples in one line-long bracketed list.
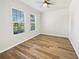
[(42, 47)]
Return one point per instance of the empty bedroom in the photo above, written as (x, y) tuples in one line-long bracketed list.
[(39, 29)]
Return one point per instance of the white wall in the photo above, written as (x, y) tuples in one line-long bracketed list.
[(55, 22), (74, 25), (7, 39)]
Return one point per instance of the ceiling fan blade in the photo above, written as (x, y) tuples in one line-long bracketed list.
[(49, 3), (47, 0), (52, 3)]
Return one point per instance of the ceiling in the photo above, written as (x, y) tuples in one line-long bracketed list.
[(37, 5)]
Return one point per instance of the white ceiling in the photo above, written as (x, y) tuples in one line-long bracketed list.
[(58, 5)]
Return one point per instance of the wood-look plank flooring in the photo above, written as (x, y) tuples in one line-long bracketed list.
[(42, 47)]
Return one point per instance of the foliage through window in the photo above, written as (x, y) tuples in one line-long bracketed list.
[(18, 21), (32, 21)]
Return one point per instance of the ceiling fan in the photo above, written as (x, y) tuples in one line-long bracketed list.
[(46, 3)]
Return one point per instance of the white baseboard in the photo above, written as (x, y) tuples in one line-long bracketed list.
[(74, 48), (17, 44), (56, 35)]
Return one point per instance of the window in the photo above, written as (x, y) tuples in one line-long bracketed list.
[(18, 21), (32, 21)]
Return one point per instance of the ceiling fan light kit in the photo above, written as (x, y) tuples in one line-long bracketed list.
[(45, 5)]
